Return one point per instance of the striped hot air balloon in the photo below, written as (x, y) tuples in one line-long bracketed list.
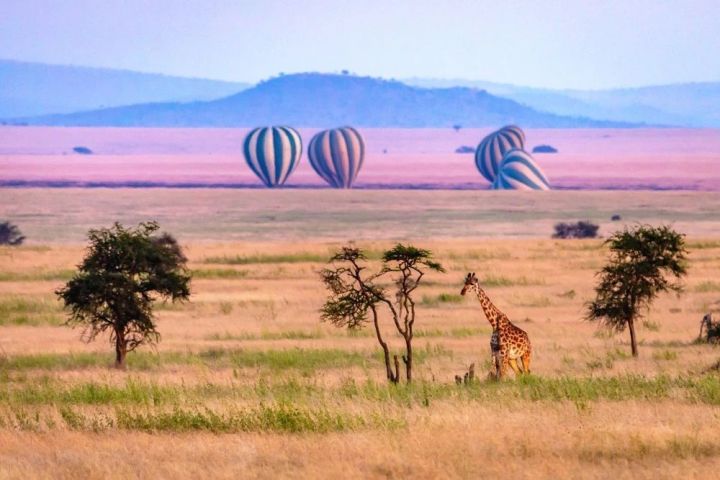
[(493, 147), (337, 155), (518, 171), (273, 153)]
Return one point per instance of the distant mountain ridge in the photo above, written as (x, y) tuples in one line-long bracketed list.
[(325, 100), (684, 104), (29, 89)]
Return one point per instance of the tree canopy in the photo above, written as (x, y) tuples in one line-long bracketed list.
[(644, 262), (356, 296), (125, 270)]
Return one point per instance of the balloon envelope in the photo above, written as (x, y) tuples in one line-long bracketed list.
[(493, 148), (518, 171), (337, 155), (272, 153)]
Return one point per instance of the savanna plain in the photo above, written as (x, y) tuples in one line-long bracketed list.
[(248, 382)]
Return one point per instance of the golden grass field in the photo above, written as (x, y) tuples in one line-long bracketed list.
[(247, 382)]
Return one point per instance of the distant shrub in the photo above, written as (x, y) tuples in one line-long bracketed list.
[(465, 149), (712, 329), (544, 149), (616, 218), (576, 230), (457, 127), (82, 150), (10, 234)]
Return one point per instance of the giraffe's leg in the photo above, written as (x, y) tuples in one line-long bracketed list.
[(503, 366), (526, 362), (497, 365), (514, 365)]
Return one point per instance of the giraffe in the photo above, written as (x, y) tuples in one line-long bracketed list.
[(508, 342)]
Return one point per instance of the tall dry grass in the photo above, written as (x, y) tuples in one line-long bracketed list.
[(248, 382)]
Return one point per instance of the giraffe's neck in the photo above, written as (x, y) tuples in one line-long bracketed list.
[(493, 314)]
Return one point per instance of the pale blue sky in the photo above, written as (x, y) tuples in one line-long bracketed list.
[(552, 43)]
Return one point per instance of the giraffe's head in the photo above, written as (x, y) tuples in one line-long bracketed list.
[(471, 283)]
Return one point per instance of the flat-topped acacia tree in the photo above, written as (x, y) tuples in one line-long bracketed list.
[(356, 298), (125, 270), (644, 262)]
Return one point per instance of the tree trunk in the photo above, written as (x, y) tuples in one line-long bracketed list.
[(392, 377), (408, 359), (633, 340), (397, 369), (120, 350)]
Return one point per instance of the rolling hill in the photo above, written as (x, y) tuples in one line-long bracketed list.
[(685, 104), (324, 100), (29, 89)]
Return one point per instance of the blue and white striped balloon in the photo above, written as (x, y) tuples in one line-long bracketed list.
[(272, 153), (337, 155), (518, 171), (493, 147)]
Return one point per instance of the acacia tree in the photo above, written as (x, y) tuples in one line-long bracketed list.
[(124, 272), (644, 262), (357, 298)]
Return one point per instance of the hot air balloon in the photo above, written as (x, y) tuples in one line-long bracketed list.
[(518, 171), (493, 147), (273, 153), (337, 155)]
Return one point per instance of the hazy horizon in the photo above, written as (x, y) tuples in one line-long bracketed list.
[(549, 44), (408, 80)]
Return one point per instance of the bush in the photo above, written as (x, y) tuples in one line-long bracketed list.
[(544, 149), (465, 149), (616, 218), (10, 234), (712, 329), (576, 230), (82, 150)]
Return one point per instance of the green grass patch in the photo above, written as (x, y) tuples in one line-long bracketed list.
[(532, 301), (490, 254), (651, 326), (307, 360), (460, 332), (700, 389), (279, 418), (665, 355), (21, 310), (579, 245), (265, 418), (636, 448), (443, 298), (36, 276), (299, 257), (45, 391), (579, 390), (282, 335), (492, 281), (224, 273), (703, 245), (707, 286)]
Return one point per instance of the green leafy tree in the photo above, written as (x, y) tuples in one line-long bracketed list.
[(644, 262), (357, 297), (124, 272)]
